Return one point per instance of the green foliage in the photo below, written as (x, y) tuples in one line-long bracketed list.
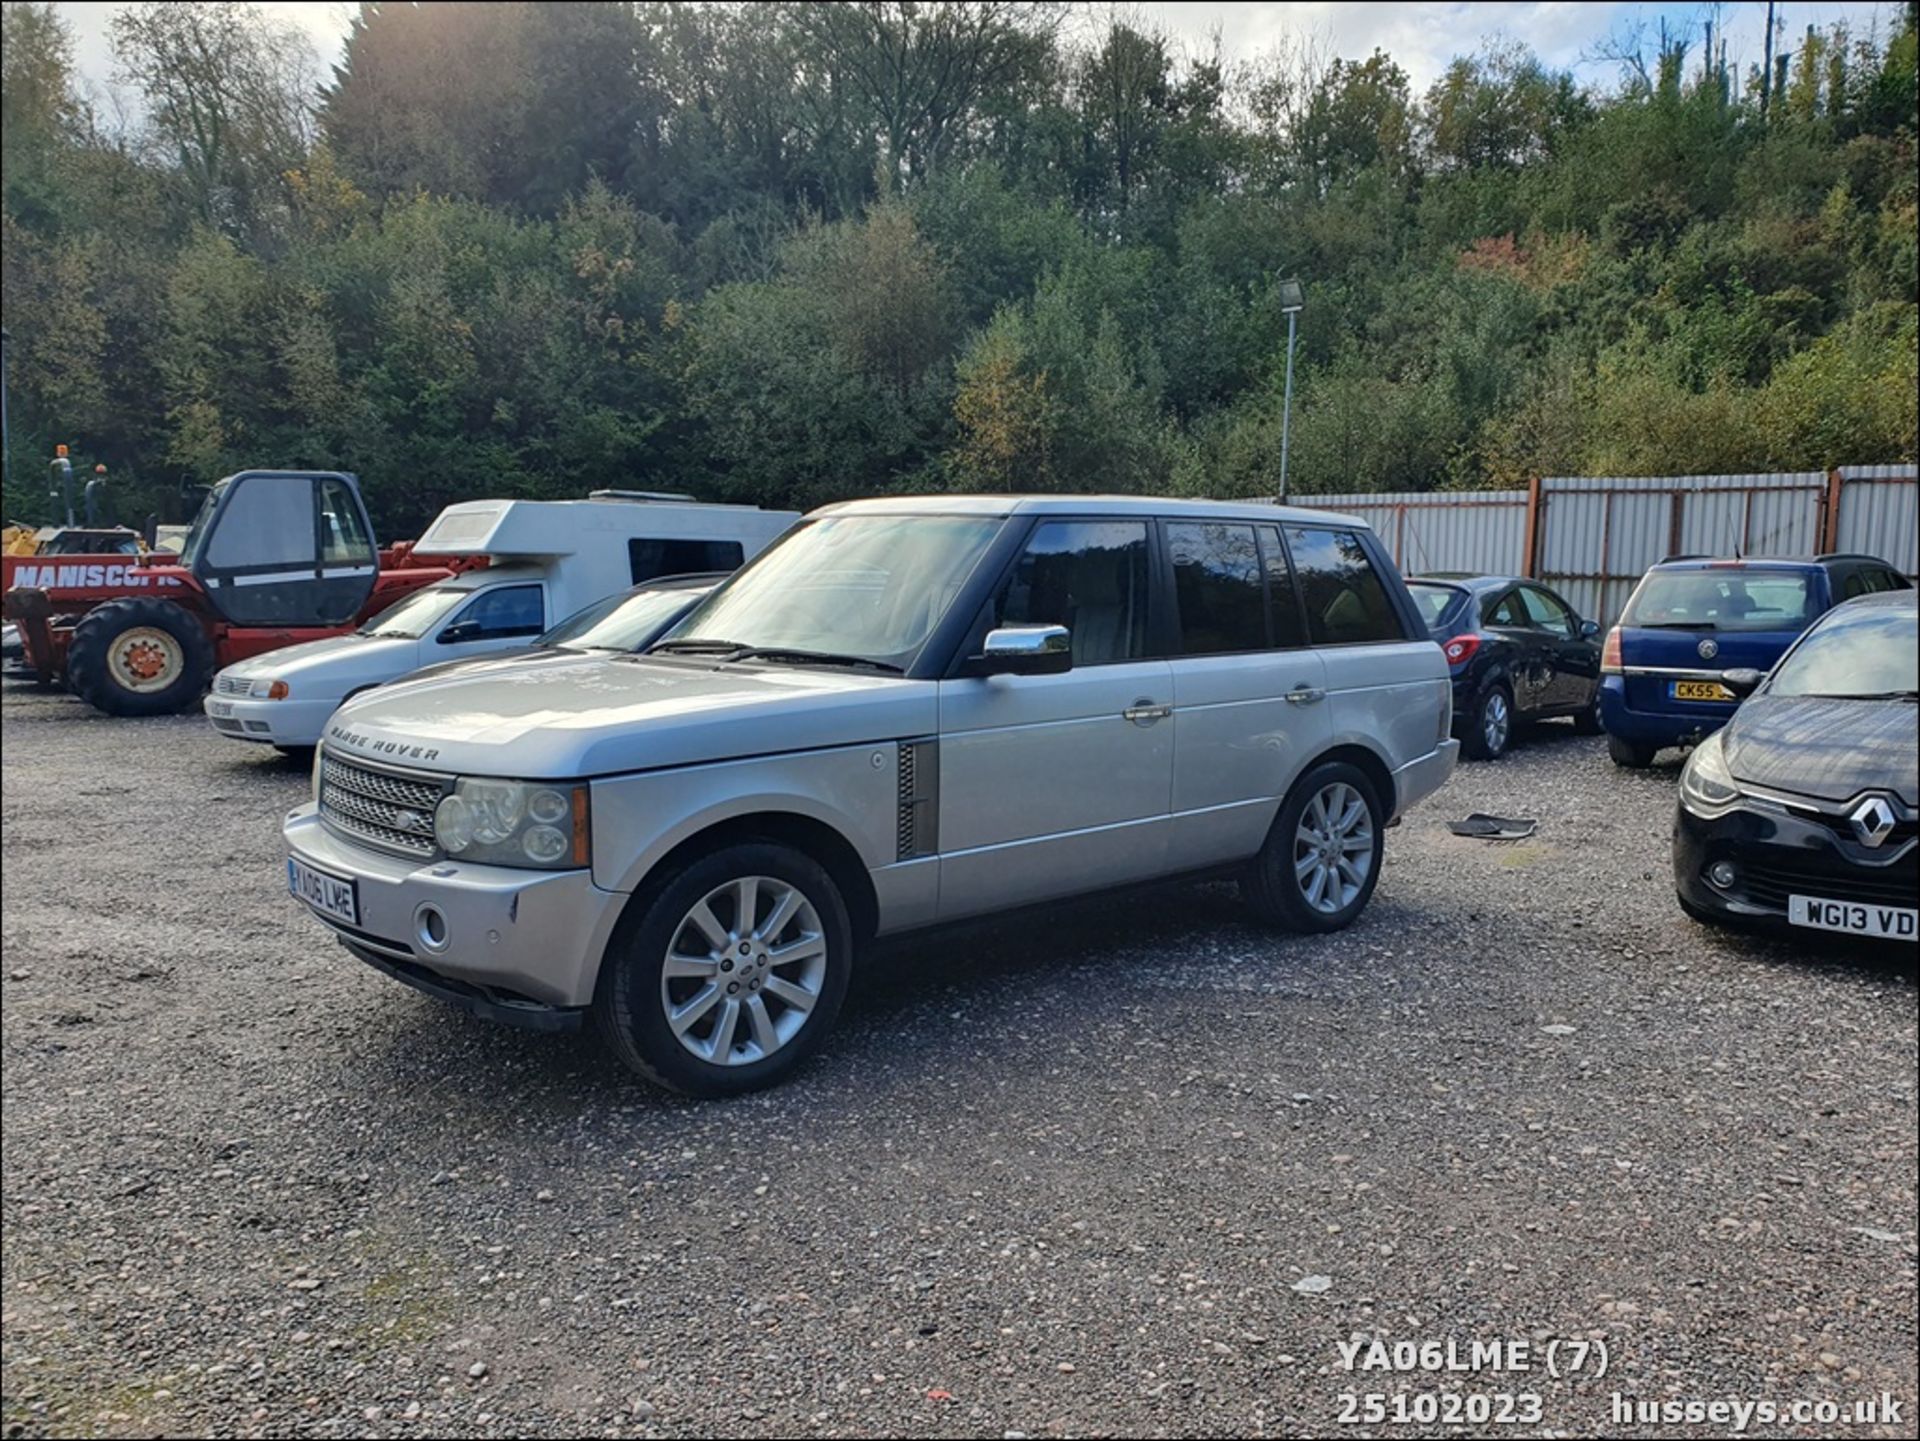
[(788, 254)]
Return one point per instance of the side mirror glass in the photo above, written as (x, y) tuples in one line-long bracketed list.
[(1026, 650), (1589, 629), (1742, 681)]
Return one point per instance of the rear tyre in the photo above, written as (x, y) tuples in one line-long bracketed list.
[(1321, 859), (139, 657), (1631, 755), (1587, 722), (732, 973), (1489, 725)]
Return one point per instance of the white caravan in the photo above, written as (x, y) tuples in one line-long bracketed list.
[(547, 559)]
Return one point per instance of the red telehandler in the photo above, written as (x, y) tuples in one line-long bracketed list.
[(275, 557)]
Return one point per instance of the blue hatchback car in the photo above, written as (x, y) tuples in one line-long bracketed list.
[(1691, 618)]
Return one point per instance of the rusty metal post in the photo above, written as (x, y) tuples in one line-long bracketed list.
[(1830, 513), (1530, 561)]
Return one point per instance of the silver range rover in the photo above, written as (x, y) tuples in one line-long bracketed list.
[(907, 712)]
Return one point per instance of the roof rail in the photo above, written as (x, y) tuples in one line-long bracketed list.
[(1669, 559), (1851, 555), (638, 495)]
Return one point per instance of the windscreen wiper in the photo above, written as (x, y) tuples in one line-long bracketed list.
[(696, 647), (778, 653)]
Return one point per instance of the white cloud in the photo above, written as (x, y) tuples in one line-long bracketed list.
[(1421, 37)]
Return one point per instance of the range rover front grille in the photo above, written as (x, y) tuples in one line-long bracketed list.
[(388, 810)]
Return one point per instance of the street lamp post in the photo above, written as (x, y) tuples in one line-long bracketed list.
[(1293, 299)]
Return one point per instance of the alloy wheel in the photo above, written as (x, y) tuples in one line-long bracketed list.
[(1333, 848), (1495, 722), (743, 971)]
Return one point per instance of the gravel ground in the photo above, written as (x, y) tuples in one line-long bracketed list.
[(1132, 1170)]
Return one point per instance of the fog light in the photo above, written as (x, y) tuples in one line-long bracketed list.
[(430, 928), (1722, 874)]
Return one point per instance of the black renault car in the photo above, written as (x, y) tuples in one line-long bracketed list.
[(1516, 652), (1804, 810)]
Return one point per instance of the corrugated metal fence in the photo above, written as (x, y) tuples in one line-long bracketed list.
[(1592, 537)]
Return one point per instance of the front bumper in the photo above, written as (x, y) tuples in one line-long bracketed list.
[(518, 943), (1656, 728), (290, 723), (1777, 854)]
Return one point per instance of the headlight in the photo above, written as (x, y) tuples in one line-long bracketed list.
[(1706, 785), (515, 823), (269, 690)]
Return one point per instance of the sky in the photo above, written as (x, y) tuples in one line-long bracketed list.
[(1421, 37)]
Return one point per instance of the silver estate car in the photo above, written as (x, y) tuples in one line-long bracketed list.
[(906, 712)]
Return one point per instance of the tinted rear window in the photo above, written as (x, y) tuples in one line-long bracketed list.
[(1345, 602), (1721, 600), (1218, 582)]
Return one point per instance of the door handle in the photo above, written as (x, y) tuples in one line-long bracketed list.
[(1304, 694), (1144, 712)]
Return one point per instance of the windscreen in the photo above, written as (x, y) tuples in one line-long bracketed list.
[(196, 540), (416, 614), (621, 622), (866, 586), (1729, 600), (1872, 652)]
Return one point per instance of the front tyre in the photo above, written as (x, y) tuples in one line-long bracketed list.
[(731, 974), (1322, 857), (139, 657)]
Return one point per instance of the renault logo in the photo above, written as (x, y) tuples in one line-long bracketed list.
[(1709, 648), (1872, 821)]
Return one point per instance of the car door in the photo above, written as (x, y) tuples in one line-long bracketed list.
[(1529, 669), (1054, 784), (1573, 660), (1386, 680), (496, 618), (1249, 694)]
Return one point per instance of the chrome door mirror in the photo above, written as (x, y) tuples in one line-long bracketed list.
[(1026, 650), (1742, 680)]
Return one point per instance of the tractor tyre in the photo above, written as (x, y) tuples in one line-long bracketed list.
[(139, 657)]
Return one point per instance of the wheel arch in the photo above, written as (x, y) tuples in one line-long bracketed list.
[(1370, 763), (807, 834)]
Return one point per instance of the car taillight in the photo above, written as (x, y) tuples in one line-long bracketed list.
[(1610, 653), (1460, 649)]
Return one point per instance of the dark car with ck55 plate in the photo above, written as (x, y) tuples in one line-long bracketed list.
[(1693, 617), (1804, 810), (1516, 652)]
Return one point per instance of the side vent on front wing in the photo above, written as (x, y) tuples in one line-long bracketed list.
[(919, 799)]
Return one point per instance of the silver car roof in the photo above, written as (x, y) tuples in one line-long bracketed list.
[(1165, 507)]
